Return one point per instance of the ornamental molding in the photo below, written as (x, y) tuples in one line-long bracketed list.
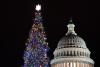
[(60, 60), (71, 49)]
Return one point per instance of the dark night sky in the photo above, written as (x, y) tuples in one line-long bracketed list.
[(56, 14)]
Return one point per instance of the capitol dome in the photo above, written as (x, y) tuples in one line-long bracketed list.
[(71, 40), (71, 51)]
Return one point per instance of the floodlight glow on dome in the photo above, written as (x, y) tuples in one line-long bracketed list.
[(71, 51), (38, 7)]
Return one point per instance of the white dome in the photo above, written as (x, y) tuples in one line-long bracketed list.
[(71, 45), (71, 40), (71, 48)]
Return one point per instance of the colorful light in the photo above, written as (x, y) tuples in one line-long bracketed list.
[(35, 54)]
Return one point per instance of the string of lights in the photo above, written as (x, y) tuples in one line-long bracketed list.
[(35, 54)]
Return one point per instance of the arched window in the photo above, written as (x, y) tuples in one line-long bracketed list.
[(71, 53), (74, 53), (64, 53)]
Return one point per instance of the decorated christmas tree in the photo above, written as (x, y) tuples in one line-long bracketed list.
[(35, 54)]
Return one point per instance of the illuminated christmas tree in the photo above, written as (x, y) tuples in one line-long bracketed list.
[(35, 54)]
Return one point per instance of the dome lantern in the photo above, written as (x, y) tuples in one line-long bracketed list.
[(71, 27)]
